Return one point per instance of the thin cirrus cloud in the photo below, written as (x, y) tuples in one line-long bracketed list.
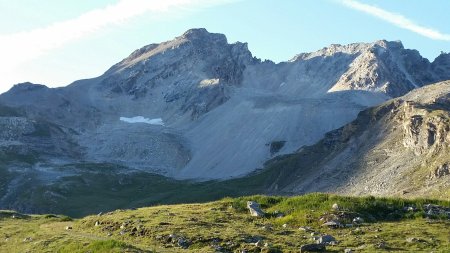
[(22, 47), (396, 19)]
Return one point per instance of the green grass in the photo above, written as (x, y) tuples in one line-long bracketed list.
[(305, 208), (106, 246), (228, 225)]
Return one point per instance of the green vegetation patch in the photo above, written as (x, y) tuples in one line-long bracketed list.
[(107, 246), (388, 224)]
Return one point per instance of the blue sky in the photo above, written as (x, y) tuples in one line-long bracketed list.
[(55, 42)]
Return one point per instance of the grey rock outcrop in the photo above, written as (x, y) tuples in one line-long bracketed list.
[(441, 171), (326, 239), (255, 209)]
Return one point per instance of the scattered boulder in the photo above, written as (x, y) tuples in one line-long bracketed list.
[(68, 228), (306, 229), (218, 248), (413, 240), (28, 239), (348, 251), (326, 239), (358, 220), (255, 209), (267, 227), (278, 214), (313, 247), (381, 245), (409, 209), (252, 239), (315, 238), (183, 243), (357, 231), (441, 171), (175, 240), (433, 210), (332, 224), (335, 206)]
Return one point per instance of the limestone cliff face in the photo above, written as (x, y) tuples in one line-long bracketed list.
[(426, 132)]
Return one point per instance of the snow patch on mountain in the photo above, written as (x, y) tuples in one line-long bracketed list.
[(140, 119)]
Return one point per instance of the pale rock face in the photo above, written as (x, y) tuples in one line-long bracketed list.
[(383, 66), (255, 209), (423, 135)]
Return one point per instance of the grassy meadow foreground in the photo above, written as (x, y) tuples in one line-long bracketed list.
[(363, 224)]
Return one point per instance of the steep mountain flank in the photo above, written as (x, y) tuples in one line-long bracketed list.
[(398, 148)]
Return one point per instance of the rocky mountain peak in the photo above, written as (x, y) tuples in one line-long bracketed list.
[(441, 66), (26, 86), (192, 73), (397, 44), (381, 66), (201, 34), (377, 47)]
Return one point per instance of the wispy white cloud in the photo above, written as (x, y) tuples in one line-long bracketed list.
[(396, 19), (18, 48)]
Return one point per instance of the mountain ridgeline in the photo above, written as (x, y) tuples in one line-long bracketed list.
[(198, 108)]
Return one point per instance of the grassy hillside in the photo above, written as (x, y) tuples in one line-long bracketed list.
[(107, 187), (225, 226)]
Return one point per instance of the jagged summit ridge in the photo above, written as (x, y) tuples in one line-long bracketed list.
[(353, 48), (381, 66), (194, 41)]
